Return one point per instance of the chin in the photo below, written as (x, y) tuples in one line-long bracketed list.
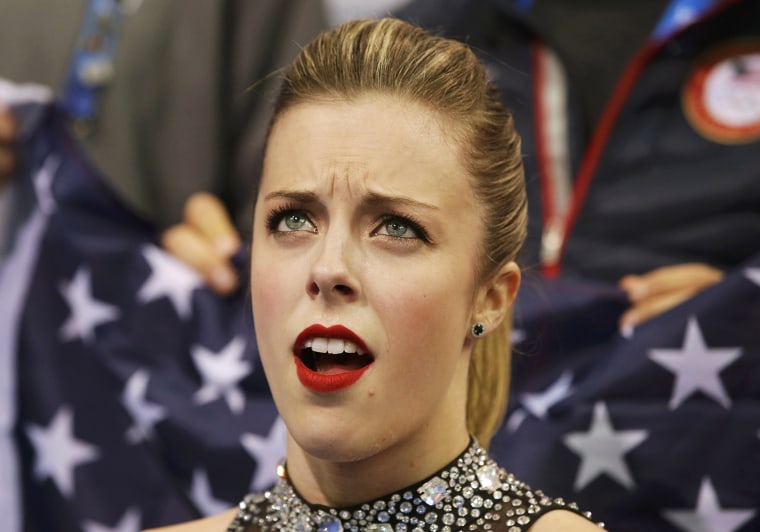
[(339, 444)]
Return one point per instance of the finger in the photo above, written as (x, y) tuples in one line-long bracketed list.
[(694, 276), (653, 306), (8, 133), (633, 285), (195, 250), (8, 130), (207, 215), (7, 164)]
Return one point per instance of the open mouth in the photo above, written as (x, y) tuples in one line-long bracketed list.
[(330, 359), (333, 355)]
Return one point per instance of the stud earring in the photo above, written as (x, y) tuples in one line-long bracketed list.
[(478, 329)]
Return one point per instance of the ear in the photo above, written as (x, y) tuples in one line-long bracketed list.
[(496, 296)]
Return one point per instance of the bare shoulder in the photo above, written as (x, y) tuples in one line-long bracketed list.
[(564, 521), (216, 523)]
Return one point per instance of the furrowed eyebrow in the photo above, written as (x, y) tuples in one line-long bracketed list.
[(301, 197), (374, 198)]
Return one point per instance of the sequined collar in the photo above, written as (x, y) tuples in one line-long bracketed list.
[(470, 492)]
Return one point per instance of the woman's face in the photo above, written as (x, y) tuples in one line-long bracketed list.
[(365, 248)]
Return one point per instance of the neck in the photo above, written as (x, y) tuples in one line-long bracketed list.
[(343, 484)]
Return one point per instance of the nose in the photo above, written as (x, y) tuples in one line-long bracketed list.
[(332, 275)]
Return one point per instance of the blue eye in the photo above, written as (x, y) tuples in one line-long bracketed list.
[(290, 220), (400, 227), (396, 227)]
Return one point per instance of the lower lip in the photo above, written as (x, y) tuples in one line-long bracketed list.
[(322, 383)]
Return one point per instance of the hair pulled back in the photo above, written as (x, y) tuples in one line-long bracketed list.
[(393, 57)]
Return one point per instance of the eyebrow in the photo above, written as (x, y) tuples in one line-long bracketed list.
[(302, 197), (372, 198)]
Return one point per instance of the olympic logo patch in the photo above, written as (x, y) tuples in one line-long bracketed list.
[(721, 97)]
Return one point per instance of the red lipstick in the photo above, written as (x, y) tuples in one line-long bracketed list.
[(335, 380)]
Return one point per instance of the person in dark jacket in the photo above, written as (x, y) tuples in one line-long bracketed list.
[(641, 128)]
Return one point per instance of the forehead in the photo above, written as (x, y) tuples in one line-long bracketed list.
[(378, 140)]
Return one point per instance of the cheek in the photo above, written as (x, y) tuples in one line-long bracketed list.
[(271, 288), (425, 318)]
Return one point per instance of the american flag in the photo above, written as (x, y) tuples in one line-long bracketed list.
[(654, 430), (132, 397)]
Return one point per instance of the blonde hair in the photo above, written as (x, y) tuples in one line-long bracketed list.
[(391, 56)]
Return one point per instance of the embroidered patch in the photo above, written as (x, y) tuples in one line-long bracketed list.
[(721, 97)]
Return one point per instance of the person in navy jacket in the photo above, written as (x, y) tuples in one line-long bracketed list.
[(641, 127)]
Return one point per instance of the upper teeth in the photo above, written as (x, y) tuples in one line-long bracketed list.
[(334, 346)]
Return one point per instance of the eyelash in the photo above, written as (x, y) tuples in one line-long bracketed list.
[(415, 226), (277, 214)]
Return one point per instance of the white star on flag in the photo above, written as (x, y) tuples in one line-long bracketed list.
[(539, 404), (86, 311), (696, 367), (130, 522), (708, 516), (602, 448), (58, 452), (753, 274), (200, 492), (43, 182), (170, 278), (145, 414), (267, 451), (221, 372)]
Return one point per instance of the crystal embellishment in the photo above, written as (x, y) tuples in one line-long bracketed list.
[(471, 493), (329, 523), (433, 491), (488, 476), (384, 527)]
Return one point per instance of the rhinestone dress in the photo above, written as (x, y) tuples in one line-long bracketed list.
[(470, 493)]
